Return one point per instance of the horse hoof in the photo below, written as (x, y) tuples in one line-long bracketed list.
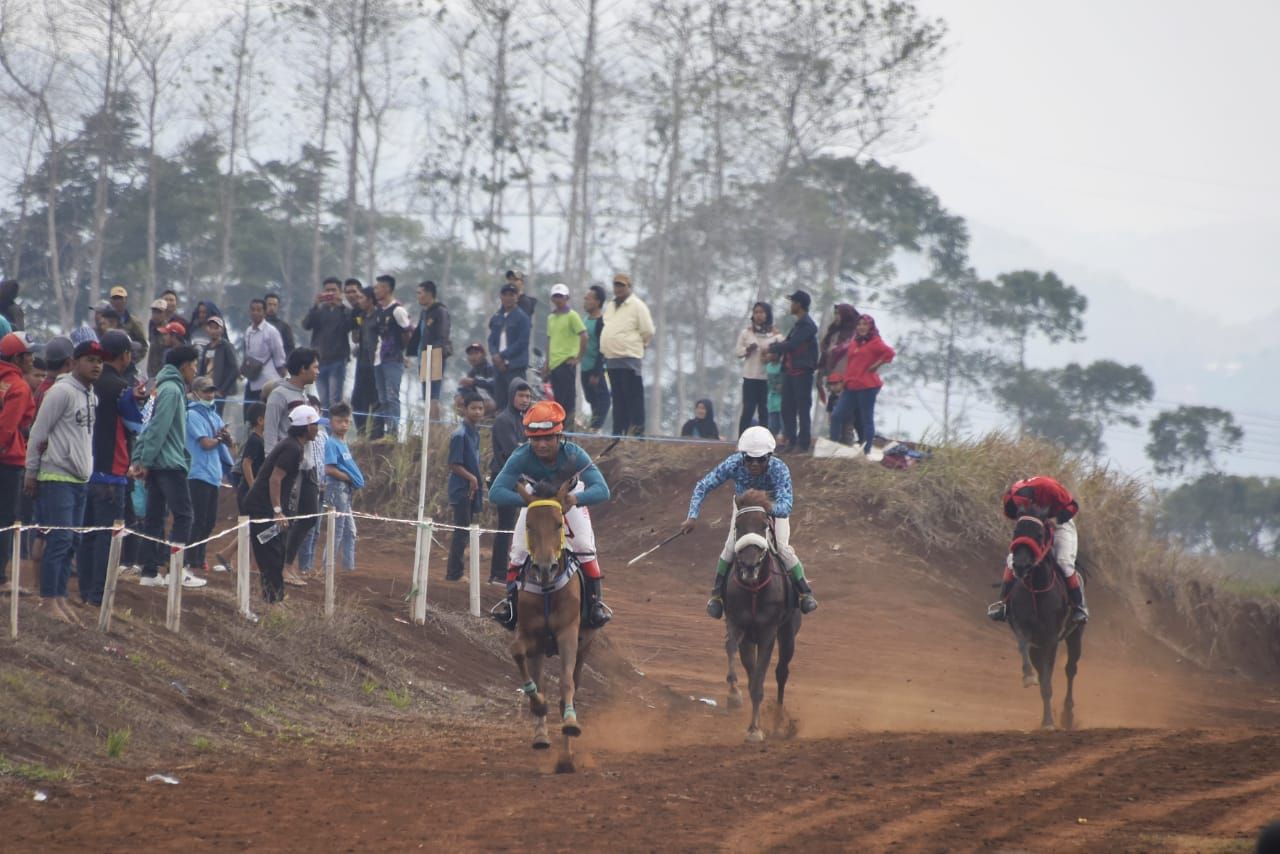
[(541, 742), (734, 701), (755, 736), (1030, 681), (571, 728), (565, 766), (1048, 727)]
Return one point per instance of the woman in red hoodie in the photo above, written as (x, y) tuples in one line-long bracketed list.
[(867, 353)]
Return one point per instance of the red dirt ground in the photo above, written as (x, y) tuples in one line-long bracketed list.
[(914, 733)]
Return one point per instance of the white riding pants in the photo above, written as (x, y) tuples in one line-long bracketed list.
[(578, 534), (781, 539), (1066, 544)]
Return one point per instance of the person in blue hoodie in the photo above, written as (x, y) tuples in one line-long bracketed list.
[(342, 478), (208, 443)]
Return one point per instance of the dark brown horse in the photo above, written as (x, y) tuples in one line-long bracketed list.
[(758, 608), (548, 618), (1039, 613)]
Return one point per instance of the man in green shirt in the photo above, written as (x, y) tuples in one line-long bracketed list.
[(566, 342)]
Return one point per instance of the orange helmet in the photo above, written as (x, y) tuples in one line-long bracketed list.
[(544, 418)]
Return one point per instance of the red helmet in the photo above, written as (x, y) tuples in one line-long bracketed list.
[(544, 418)]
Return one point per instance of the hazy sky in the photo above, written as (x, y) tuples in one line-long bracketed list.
[(1137, 137)]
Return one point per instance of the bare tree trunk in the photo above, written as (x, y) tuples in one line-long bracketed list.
[(575, 261), (359, 30), (500, 139), (233, 153), (662, 282), (105, 126), (153, 195), (65, 308), (318, 200), (13, 269)]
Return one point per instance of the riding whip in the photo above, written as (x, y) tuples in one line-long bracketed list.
[(655, 548)]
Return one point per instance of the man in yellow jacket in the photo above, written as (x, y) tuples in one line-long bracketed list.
[(627, 330)]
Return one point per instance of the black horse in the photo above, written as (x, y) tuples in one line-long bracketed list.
[(1039, 613), (758, 609)]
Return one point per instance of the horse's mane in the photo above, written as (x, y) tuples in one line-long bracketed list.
[(753, 498)]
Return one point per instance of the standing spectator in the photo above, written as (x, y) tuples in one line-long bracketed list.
[(364, 393), (304, 367), (129, 323), (170, 298), (867, 354), (526, 303), (155, 357), (315, 469), (478, 379), (245, 471), (833, 351), (58, 360), (264, 356), (508, 434), (432, 330), (753, 342), (703, 423), (594, 386), (342, 478), (799, 351), (115, 420), (218, 362), (392, 325), (272, 304), (161, 459), (17, 411), (105, 317), (566, 344), (628, 329), (59, 464), (466, 494), (329, 322), (269, 499), (208, 443), (509, 343), (198, 334), (9, 305)]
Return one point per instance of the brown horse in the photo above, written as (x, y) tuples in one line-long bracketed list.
[(548, 617), (1039, 613), (758, 609)]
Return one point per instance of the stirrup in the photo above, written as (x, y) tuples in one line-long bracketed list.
[(715, 607), (1079, 614), (502, 613), (600, 614), (808, 604), (997, 611)]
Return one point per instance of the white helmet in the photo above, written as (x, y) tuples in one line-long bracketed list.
[(756, 442)]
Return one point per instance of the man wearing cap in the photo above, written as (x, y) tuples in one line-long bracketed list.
[(264, 358), (526, 303), (628, 329), (160, 457), (269, 499), (116, 418), (478, 379), (329, 322), (509, 330), (799, 352), (155, 338), (566, 343), (17, 411), (105, 317), (58, 353), (59, 464), (432, 331), (218, 362), (130, 324)]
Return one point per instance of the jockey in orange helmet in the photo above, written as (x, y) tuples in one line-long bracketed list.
[(548, 456), (1050, 502)]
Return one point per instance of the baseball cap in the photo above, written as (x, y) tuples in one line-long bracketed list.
[(159, 305), (215, 319), (475, 345), (103, 305), (119, 291), (13, 344), (801, 297), (57, 350), (88, 348), (560, 290), (202, 383), (173, 327), (509, 288), (303, 416), (621, 279), (115, 342)]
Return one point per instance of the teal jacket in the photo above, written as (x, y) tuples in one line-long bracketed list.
[(162, 444), (569, 460)]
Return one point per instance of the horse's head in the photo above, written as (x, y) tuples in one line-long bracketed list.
[(544, 528), (1032, 540), (751, 527)]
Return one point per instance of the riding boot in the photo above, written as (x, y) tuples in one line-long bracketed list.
[(807, 603), (599, 613), (1079, 613), (996, 610), (715, 605), (505, 611)]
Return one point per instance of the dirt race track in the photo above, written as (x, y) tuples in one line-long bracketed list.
[(913, 733)]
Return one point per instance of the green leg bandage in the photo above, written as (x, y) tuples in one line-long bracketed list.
[(722, 567), (797, 572)]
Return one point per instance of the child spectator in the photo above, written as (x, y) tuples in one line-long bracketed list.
[(703, 423), (773, 376), (466, 496), (314, 471), (252, 453), (342, 478), (207, 443)]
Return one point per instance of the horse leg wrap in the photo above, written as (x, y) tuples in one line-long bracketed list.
[(569, 713), (530, 688)]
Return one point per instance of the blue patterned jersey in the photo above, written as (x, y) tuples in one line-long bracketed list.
[(776, 481)]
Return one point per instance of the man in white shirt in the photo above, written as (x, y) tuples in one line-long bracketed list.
[(264, 358)]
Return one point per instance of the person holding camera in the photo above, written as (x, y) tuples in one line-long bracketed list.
[(329, 322), (264, 357), (210, 445)]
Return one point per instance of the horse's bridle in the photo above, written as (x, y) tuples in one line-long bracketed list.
[(549, 502), (758, 540)]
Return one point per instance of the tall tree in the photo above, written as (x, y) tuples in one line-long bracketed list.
[(1074, 405), (1191, 437)]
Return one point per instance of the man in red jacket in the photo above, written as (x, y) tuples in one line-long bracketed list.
[(1050, 502), (17, 411)]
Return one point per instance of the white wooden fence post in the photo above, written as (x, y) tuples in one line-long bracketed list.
[(475, 570), (330, 537), (173, 615), (420, 595), (113, 576), (15, 579), (242, 566)]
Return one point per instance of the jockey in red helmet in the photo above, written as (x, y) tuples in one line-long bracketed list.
[(1050, 502), (548, 456)]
